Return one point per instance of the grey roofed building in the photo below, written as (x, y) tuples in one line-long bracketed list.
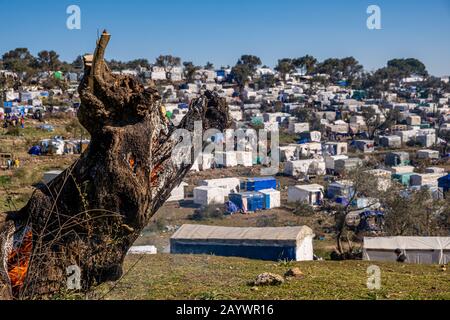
[(285, 243)]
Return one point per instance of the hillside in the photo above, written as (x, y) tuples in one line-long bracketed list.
[(166, 276)]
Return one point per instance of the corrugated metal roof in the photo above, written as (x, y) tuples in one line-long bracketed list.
[(202, 232)]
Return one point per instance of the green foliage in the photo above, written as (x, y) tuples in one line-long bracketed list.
[(408, 66), (208, 212), (266, 221), (303, 209), (189, 71)]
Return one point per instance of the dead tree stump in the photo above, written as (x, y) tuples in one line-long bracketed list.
[(91, 214)]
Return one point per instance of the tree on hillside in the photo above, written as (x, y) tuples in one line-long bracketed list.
[(307, 63), (351, 69), (331, 67), (77, 64), (189, 71), (363, 184), (19, 60), (209, 66), (285, 66), (378, 122), (48, 60), (245, 68), (241, 74), (415, 213), (168, 62), (409, 66), (253, 62), (136, 63)]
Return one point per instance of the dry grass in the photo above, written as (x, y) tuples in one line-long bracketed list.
[(165, 276)]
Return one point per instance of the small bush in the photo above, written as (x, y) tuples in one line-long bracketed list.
[(157, 225), (208, 212), (5, 180), (303, 209), (13, 131), (266, 221)]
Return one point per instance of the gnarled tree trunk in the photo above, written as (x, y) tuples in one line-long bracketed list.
[(91, 214)]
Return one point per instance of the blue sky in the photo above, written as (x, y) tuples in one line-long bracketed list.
[(220, 31)]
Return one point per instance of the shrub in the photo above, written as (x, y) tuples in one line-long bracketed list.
[(266, 221), (303, 209), (208, 212)]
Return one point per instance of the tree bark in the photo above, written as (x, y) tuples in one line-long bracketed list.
[(91, 214)]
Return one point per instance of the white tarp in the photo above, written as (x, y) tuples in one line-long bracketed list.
[(205, 195), (177, 193), (423, 250), (142, 250)]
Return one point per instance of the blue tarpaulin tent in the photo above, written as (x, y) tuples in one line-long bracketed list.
[(35, 151), (248, 201), (444, 183), (230, 207), (258, 183)]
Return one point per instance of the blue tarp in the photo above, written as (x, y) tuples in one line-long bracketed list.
[(35, 151), (248, 201), (230, 207), (444, 183), (259, 183)]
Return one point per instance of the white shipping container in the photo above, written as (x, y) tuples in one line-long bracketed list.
[(205, 195), (228, 184), (177, 193)]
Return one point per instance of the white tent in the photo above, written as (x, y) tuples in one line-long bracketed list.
[(177, 193), (423, 250), (205, 195)]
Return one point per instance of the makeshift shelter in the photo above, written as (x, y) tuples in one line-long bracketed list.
[(426, 140), (248, 201), (177, 193), (422, 250), (365, 146), (429, 179), (205, 195), (311, 194), (227, 184), (334, 148), (428, 154), (258, 183), (394, 159), (444, 183), (330, 161), (298, 127), (272, 198), (401, 169), (342, 165), (403, 178), (286, 243), (309, 149), (391, 141), (343, 188), (288, 152), (304, 167)]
